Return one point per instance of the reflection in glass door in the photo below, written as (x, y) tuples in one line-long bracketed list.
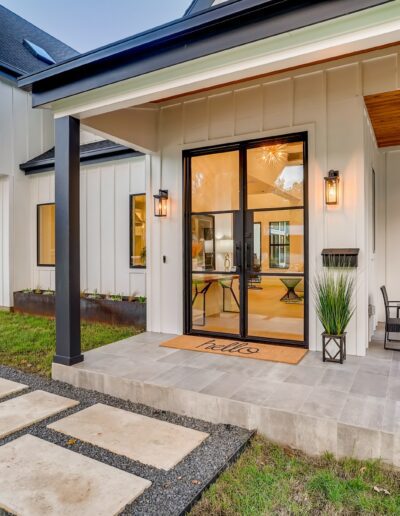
[(245, 218)]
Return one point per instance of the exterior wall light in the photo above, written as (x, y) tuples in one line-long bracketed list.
[(332, 188), (160, 203)]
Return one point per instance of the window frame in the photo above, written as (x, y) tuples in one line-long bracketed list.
[(38, 206), (285, 246), (131, 243)]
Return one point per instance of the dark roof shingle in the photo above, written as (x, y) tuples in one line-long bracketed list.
[(15, 57), (95, 152)]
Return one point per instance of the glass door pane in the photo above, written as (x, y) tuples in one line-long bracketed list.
[(275, 241), (275, 176), (215, 182), (276, 307), (215, 303), (215, 243)]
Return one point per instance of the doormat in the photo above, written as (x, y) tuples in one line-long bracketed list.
[(268, 352)]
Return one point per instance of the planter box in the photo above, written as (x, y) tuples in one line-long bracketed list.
[(122, 313), (34, 304), (338, 343)]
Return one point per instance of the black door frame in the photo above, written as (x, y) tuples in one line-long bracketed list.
[(241, 146)]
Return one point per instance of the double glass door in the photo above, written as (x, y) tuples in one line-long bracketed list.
[(245, 267)]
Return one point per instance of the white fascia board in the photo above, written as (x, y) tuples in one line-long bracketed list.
[(353, 33)]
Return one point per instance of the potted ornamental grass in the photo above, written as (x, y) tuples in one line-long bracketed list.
[(334, 291)]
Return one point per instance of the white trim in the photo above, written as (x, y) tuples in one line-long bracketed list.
[(347, 34)]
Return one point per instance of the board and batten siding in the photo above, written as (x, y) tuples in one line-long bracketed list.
[(105, 227), (374, 170), (392, 213), (326, 100), (24, 133)]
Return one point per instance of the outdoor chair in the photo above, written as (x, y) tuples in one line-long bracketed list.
[(392, 324)]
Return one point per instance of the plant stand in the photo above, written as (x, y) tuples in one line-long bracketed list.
[(338, 342)]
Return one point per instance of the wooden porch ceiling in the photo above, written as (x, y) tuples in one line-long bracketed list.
[(384, 112)]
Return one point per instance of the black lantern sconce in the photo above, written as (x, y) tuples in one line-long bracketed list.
[(160, 203), (332, 188)]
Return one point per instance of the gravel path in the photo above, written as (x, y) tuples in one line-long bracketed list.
[(171, 491)]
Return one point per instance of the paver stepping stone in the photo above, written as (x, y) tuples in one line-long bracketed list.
[(30, 408), (8, 387), (39, 478), (145, 439)]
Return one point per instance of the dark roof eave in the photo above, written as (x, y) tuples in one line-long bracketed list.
[(214, 30), (87, 157), (10, 70)]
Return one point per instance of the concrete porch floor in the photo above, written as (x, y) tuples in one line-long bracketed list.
[(350, 410)]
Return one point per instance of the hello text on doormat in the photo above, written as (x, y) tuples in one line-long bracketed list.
[(235, 348)]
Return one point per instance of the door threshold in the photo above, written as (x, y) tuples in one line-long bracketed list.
[(250, 340)]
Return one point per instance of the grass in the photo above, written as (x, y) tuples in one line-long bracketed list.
[(270, 479), (28, 343)]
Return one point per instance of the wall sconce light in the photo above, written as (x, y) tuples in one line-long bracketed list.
[(160, 203), (332, 187)]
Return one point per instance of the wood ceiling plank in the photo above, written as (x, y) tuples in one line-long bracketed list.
[(384, 112)]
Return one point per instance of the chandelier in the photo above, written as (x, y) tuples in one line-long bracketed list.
[(274, 154)]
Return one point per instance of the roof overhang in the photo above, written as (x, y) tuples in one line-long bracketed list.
[(228, 42), (89, 155), (10, 72)]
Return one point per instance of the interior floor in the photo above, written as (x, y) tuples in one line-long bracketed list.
[(271, 312)]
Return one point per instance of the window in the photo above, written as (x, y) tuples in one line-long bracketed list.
[(279, 245), (138, 230), (46, 235)]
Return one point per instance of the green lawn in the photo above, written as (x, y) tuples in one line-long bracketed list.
[(268, 479), (28, 342)]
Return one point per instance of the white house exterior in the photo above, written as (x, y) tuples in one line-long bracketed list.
[(105, 231), (26, 133), (307, 86), (23, 133)]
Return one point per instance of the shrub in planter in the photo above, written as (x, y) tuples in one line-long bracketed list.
[(334, 290), (35, 302), (95, 307)]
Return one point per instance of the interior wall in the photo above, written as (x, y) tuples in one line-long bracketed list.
[(105, 227)]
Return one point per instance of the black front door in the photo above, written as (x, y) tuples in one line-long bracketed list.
[(245, 260)]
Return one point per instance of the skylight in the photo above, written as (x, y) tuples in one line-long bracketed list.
[(38, 52)]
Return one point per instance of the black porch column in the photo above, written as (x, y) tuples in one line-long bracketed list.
[(68, 331)]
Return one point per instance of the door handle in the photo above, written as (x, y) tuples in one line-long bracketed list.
[(238, 256), (248, 257)]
